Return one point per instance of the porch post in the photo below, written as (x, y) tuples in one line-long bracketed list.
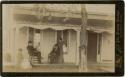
[(55, 36), (16, 44), (83, 41), (27, 33), (41, 41), (78, 44)]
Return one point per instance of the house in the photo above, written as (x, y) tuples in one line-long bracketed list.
[(44, 23)]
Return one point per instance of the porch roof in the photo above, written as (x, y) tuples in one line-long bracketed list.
[(100, 30), (108, 9), (94, 11)]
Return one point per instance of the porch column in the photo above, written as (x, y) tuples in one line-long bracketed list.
[(16, 42), (77, 49), (83, 59), (25, 44), (56, 36), (12, 44), (83, 40)]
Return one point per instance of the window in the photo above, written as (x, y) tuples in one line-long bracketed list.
[(31, 34), (36, 37)]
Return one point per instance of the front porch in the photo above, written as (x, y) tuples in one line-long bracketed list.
[(47, 37)]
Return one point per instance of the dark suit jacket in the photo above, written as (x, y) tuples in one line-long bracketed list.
[(30, 50)]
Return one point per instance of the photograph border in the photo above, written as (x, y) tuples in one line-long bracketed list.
[(119, 40)]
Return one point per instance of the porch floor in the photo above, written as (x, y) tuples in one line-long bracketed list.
[(61, 68)]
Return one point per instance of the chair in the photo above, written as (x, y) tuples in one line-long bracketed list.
[(33, 58), (52, 58)]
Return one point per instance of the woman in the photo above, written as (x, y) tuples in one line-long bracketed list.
[(52, 58), (60, 50)]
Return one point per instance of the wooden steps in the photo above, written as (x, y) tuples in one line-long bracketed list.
[(34, 60)]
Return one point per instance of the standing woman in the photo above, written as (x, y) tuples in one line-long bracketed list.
[(60, 50)]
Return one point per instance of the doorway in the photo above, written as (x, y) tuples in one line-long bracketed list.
[(92, 47)]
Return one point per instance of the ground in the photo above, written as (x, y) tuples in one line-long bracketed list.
[(61, 68)]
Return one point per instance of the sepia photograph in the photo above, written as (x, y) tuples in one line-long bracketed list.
[(58, 38)]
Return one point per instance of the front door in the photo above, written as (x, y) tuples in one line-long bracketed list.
[(92, 47)]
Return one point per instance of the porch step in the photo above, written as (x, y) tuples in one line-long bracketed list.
[(55, 65), (35, 60)]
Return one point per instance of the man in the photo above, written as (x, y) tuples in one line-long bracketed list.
[(33, 52)]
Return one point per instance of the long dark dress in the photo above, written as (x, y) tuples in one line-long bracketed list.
[(52, 58), (56, 55), (60, 53)]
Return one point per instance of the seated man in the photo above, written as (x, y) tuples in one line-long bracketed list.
[(33, 52)]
